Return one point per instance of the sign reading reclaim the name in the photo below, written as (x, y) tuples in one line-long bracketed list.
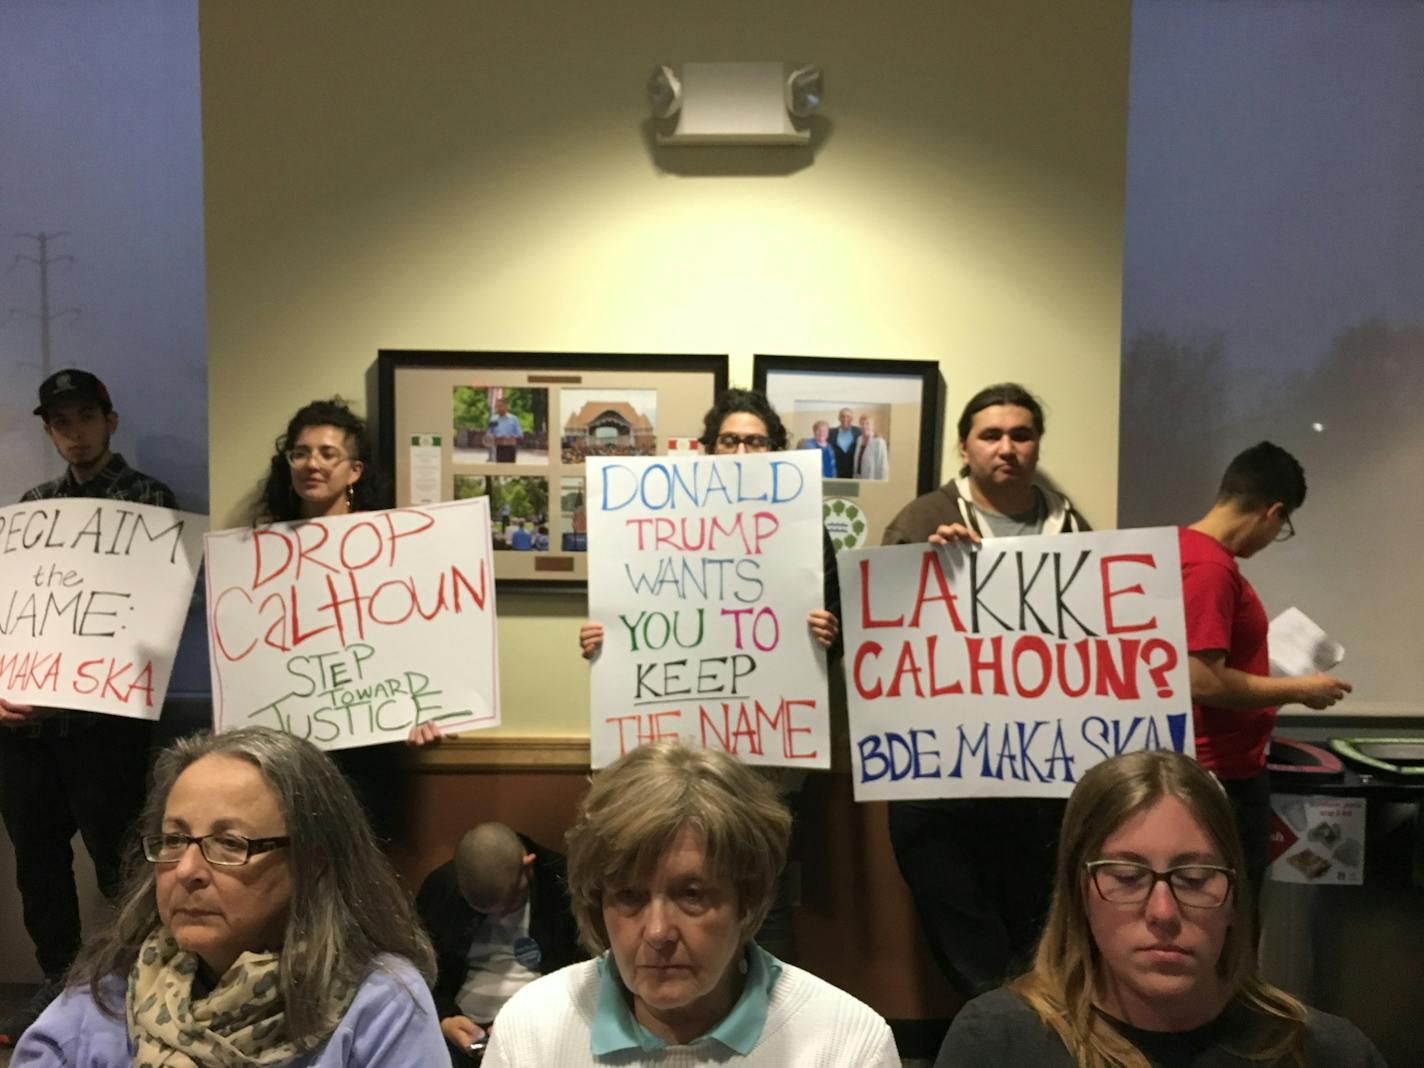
[(353, 629), (702, 571), (93, 595), (1010, 669)]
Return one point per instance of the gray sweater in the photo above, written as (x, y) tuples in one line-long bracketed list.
[(999, 1028)]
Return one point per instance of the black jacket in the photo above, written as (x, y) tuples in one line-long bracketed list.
[(450, 922)]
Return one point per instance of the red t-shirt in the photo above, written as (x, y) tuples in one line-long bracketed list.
[(1224, 613)]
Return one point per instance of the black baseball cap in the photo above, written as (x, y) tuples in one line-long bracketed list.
[(73, 385)]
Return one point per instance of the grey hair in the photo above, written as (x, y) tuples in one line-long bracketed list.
[(639, 804), (347, 906)]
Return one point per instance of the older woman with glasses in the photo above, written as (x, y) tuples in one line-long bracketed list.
[(1147, 955), (261, 926), (672, 865)]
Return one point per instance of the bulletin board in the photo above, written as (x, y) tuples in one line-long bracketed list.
[(517, 427)]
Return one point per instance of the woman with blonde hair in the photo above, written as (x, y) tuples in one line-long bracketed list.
[(1147, 958), (260, 926), (672, 866)]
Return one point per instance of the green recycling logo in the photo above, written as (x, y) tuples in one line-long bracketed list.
[(846, 523)]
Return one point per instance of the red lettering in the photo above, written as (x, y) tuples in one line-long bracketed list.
[(930, 565), (866, 649), (994, 664), (865, 621), (218, 629), (1120, 680), (1104, 567), (260, 535), (1039, 648)]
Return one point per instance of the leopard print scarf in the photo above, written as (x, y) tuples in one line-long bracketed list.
[(240, 1023)]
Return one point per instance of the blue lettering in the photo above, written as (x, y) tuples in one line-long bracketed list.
[(776, 491), (920, 772), (662, 470), (1025, 741), (1059, 755), (979, 747), (632, 493), (1102, 726), (869, 748)]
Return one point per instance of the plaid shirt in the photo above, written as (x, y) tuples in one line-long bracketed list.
[(116, 482)]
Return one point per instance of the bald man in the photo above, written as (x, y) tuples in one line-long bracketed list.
[(498, 914)]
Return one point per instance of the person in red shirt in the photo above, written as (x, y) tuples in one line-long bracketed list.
[(1234, 695)]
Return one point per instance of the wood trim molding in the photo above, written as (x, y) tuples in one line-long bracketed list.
[(505, 753)]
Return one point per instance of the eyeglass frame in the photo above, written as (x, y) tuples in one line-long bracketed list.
[(1287, 530), (299, 454), (255, 846), (732, 442), (1092, 867)]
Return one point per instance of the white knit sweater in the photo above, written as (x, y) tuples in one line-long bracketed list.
[(809, 1024)]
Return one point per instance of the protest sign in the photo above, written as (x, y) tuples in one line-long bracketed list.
[(1010, 669), (702, 571), (93, 594), (353, 629)]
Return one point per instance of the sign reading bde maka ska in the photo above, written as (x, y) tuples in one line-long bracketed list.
[(1011, 668)]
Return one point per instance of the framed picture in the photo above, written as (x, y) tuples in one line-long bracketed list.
[(516, 427), (878, 425)]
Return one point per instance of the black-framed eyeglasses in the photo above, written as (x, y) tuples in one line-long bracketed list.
[(1287, 528), (1126, 882), (223, 847), (753, 442), (326, 456)]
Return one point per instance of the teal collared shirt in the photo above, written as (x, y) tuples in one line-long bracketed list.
[(614, 1027)]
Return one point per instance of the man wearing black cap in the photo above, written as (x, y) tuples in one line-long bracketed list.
[(64, 771)]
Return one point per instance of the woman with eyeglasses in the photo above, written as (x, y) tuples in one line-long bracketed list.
[(1147, 958), (323, 466), (742, 421), (260, 925), (318, 467)]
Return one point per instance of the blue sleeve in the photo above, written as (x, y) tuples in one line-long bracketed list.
[(74, 1033), (390, 1024)]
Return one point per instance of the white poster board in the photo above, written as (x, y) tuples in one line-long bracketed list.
[(702, 571), (93, 594), (1010, 669), (351, 630)]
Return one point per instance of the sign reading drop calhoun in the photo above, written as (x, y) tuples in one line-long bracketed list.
[(93, 594), (702, 571), (1010, 669), (351, 630)]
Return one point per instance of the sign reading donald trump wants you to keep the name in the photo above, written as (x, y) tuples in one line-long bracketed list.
[(352, 630), (93, 594), (702, 571), (1010, 669)]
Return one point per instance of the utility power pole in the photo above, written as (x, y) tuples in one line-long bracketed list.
[(43, 261)]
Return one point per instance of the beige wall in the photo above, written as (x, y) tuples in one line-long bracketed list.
[(471, 175)]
